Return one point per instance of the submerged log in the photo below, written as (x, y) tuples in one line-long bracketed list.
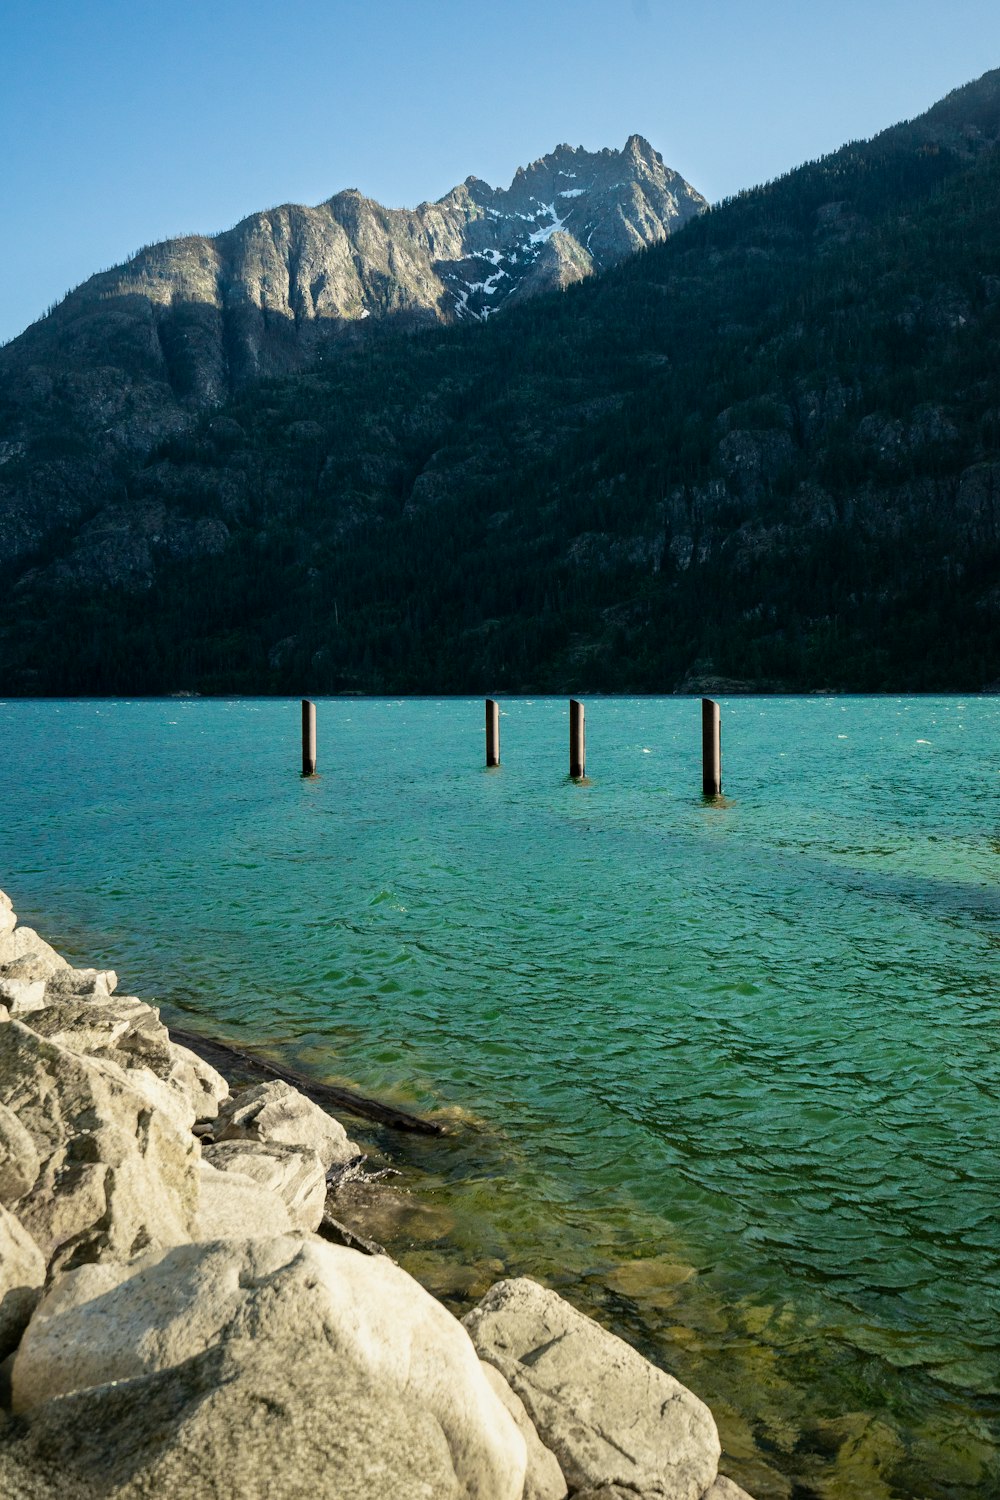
[(328, 1095)]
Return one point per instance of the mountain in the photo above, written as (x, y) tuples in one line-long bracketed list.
[(135, 353), (186, 322), (764, 452)]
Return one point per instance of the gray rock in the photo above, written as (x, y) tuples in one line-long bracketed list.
[(128, 1032), (275, 1112), (726, 1489), (117, 1175), (609, 1492), (244, 1420), (294, 1173), (543, 1478), (22, 995), (18, 1158), (609, 1416), (198, 1080), (120, 1029), (96, 983), (22, 1274), (722, 1489), (232, 1206), (24, 955), (274, 1308)]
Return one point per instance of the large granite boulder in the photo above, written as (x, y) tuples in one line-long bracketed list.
[(232, 1206), (610, 1417), (240, 1420), (291, 1341), (295, 1173), (117, 1175), (19, 1162), (275, 1112), (22, 1274), (543, 1478)]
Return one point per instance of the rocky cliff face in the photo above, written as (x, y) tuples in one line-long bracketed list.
[(199, 316)]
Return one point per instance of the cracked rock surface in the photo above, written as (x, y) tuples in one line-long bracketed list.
[(609, 1416)]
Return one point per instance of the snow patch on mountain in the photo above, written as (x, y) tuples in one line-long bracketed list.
[(548, 230)]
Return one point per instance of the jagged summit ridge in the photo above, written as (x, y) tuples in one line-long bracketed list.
[(206, 313), (564, 216)]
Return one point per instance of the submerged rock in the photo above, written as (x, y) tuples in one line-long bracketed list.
[(610, 1417)]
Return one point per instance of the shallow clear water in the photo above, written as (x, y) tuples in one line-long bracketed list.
[(729, 1072)]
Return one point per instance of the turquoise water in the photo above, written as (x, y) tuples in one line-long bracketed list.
[(727, 1074)]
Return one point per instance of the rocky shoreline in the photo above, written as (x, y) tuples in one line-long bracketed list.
[(173, 1322)]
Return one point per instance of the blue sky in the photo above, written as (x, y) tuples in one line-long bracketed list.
[(124, 123)]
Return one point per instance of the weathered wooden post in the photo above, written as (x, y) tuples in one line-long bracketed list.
[(577, 741), (308, 738), (492, 732), (711, 748)]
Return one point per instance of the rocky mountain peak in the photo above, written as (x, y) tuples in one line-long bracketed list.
[(190, 320)]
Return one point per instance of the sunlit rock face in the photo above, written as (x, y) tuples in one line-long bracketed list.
[(202, 314)]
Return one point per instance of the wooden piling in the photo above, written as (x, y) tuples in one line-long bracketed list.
[(308, 737), (577, 741), (711, 748), (492, 732)]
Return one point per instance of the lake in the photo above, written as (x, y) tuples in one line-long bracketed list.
[(725, 1074)]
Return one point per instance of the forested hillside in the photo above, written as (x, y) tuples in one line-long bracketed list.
[(765, 453)]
